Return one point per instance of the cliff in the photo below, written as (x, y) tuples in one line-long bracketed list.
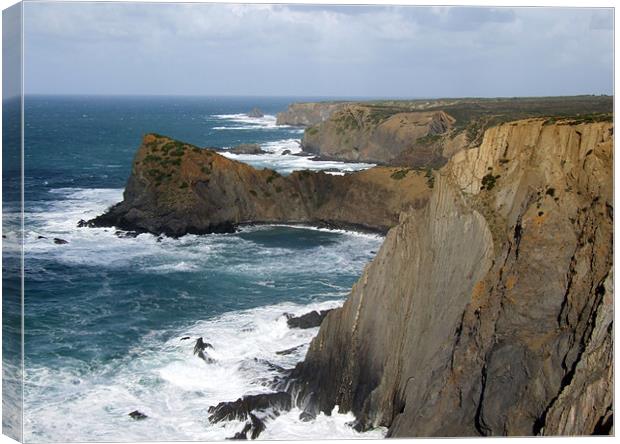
[(176, 188), (488, 310), (377, 134), (308, 114), (426, 133)]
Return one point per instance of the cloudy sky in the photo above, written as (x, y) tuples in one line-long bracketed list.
[(382, 51)]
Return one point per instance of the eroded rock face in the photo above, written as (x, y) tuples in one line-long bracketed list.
[(360, 132), (487, 311), (176, 188), (308, 114), (247, 148)]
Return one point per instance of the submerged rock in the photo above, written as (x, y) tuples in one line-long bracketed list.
[(60, 241), (308, 320), (289, 351), (137, 415)]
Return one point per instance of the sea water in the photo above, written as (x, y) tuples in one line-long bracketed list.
[(105, 315)]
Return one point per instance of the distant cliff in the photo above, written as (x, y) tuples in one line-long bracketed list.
[(488, 311), (176, 188), (371, 133), (308, 114), (424, 133)]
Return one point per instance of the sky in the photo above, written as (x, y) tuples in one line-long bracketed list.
[(316, 50)]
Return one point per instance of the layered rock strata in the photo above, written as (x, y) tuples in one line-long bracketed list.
[(488, 310)]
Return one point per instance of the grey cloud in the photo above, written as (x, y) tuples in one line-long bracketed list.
[(316, 50), (602, 19)]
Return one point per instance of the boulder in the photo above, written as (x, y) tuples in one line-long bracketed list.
[(308, 320), (247, 148)]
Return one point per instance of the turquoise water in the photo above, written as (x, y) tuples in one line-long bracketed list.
[(104, 315)]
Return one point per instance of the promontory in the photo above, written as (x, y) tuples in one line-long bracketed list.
[(488, 309)]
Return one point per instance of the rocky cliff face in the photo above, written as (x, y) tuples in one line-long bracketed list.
[(308, 114), (359, 132), (487, 311), (176, 188)]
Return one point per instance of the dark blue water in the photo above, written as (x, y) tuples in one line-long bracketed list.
[(104, 314)]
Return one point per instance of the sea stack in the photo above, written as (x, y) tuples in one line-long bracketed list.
[(256, 113)]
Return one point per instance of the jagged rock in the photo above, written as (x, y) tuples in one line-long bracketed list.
[(585, 403), (60, 241), (242, 407), (175, 189), (247, 148), (255, 426), (308, 320), (256, 113), (137, 415), (486, 311), (199, 350)]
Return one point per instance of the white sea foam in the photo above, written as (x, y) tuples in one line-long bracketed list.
[(163, 379), (287, 163), (243, 122), (189, 253), (160, 376)]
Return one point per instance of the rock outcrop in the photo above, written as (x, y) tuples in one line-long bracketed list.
[(176, 188), (369, 133), (426, 133), (308, 114), (256, 113), (247, 148), (488, 311)]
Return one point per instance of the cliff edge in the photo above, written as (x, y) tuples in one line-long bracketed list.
[(379, 134), (425, 133), (308, 113), (487, 311)]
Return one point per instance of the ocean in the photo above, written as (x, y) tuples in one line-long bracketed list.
[(104, 315)]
